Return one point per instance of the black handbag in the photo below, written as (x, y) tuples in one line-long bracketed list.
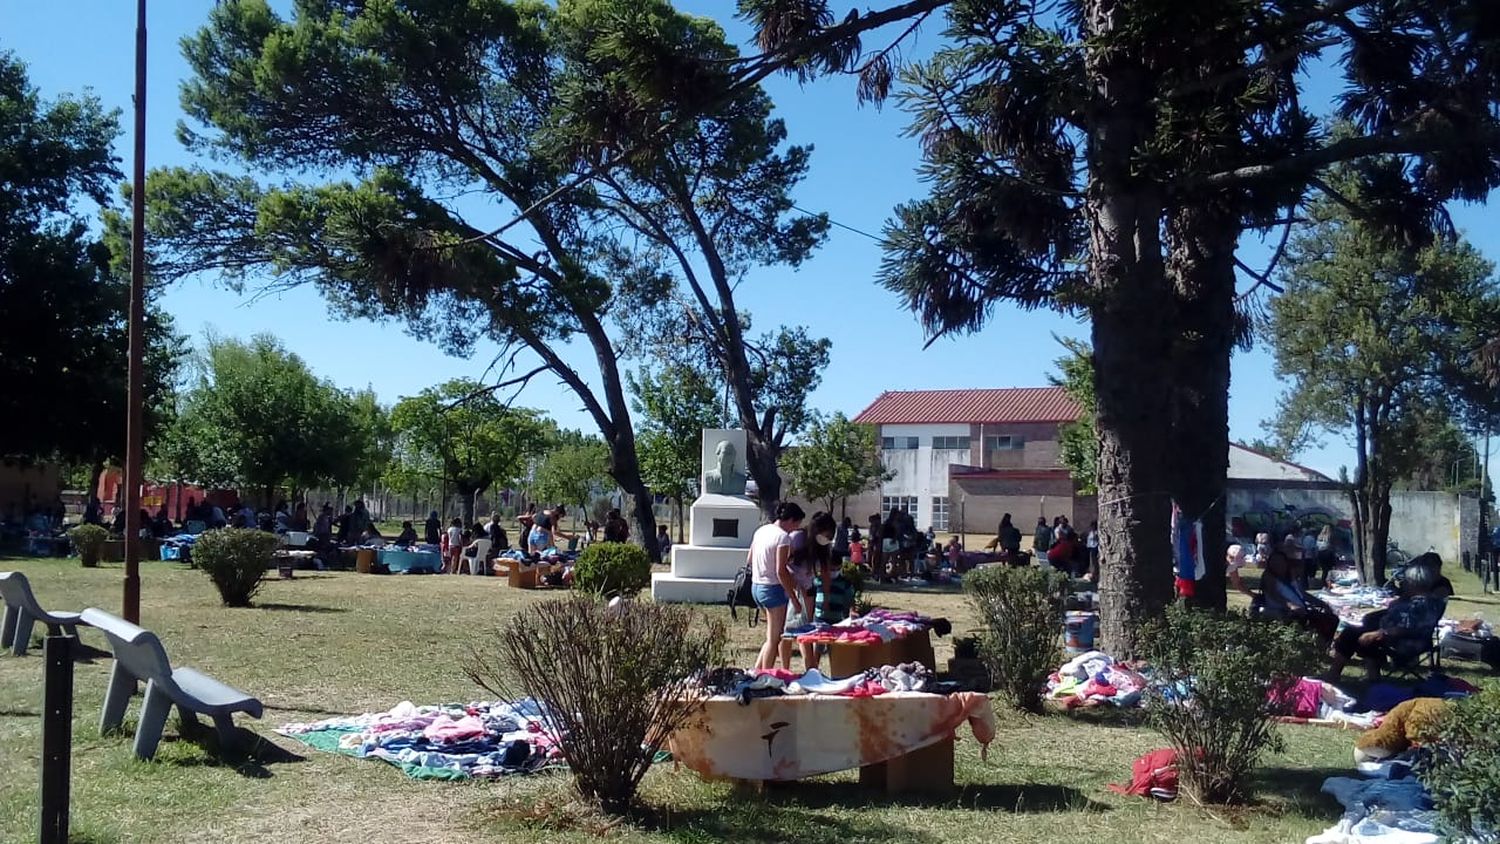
[(740, 595)]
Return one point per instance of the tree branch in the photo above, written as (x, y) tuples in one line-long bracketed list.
[(1263, 279), (1346, 149)]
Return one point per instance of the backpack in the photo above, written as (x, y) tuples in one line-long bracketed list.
[(740, 596)]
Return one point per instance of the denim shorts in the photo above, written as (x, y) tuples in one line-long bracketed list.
[(769, 595)]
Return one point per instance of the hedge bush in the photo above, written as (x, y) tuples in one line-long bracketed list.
[(1462, 769), (89, 540), (1021, 611), (617, 680), (612, 568), (236, 560), (1214, 693)]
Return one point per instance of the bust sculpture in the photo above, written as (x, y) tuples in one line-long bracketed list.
[(724, 477)]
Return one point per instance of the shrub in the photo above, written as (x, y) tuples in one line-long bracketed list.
[(236, 560), (612, 568), (1214, 689), (89, 540), (1462, 769), (1021, 609), (616, 681), (966, 647)]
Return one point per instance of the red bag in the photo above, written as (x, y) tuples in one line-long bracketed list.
[(1152, 775)]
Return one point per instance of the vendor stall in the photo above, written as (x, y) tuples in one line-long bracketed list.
[(900, 741), (410, 560), (879, 637), (1353, 603)]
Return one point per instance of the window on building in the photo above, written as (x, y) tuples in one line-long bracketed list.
[(1004, 443), (940, 512), (894, 443), (891, 503), (957, 443)]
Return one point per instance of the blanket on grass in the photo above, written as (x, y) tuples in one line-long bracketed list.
[(447, 742)]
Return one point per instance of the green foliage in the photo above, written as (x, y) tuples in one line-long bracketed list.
[(1375, 337), (617, 680), (536, 106), (1228, 666), (612, 568), (461, 434), (1462, 768), (236, 560), (675, 405), (89, 541), (837, 459), (856, 577), (571, 472), (1022, 613), (1078, 442), (256, 416), (64, 299)]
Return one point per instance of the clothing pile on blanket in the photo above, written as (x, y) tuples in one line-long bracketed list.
[(1353, 603), (746, 686), (179, 547), (1314, 701), (1398, 811), (453, 741), (872, 628), (550, 556), (1094, 678)]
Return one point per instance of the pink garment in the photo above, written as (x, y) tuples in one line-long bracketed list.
[(1301, 700), (781, 674), (445, 729)]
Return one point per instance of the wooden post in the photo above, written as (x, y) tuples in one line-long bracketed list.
[(57, 738)]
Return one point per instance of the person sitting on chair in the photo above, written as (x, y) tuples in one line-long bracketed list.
[(1285, 599), (1403, 630)]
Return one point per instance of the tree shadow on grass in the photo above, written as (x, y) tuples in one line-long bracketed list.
[(1132, 718), (769, 823), (1299, 790), (310, 608), (1020, 798)]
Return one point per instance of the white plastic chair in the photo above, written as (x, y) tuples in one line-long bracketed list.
[(481, 554)]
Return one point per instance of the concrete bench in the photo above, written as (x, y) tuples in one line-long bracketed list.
[(22, 612), (139, 656)]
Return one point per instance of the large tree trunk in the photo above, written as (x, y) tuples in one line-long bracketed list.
[(1135, 568), (762, 464), (466, 492), (1201, 264), (1132, 305)]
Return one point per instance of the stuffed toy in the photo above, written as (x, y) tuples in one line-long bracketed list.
[(1411, 722)]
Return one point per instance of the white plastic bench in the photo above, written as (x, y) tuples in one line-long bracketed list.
[(139, 656), (22, 612)]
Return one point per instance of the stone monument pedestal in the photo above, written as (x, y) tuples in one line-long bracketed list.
[(703, 571), (723, 522)]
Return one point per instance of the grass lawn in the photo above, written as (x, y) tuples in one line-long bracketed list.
[(339, 643)]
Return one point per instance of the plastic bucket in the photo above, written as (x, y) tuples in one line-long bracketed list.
[(1078, 631)]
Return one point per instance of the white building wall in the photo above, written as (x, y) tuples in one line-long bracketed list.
[(921, 472)]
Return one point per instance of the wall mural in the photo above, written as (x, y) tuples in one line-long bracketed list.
[(1289, 512)]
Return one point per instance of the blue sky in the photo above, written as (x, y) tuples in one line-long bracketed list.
[(862, 166)]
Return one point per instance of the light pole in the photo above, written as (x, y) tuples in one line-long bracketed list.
[(134, 398)]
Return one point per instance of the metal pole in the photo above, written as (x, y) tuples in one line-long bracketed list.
[(57, 738), (135, 397)]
